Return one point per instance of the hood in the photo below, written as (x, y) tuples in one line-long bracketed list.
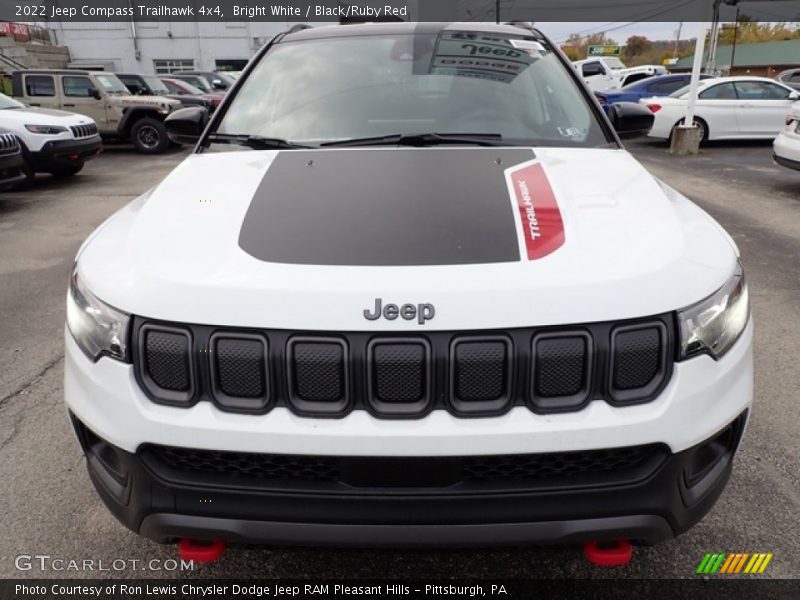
[(43, 116), (491, 237)]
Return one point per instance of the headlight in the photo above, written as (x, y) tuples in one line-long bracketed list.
[(713, 325), (97, 328), (46, 129)]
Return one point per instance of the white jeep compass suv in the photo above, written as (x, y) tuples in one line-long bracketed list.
[(409, 289)]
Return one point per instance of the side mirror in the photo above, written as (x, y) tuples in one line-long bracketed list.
[(186, 125), (218, 84), (794, 96), (630, 120), (96, 95)]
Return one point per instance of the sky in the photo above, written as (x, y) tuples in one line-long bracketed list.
[(620, 32)]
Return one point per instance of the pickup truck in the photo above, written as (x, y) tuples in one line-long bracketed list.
[(609, 73)]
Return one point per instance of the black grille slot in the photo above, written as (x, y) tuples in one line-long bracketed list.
[(639, 362), (561, 370), (167, 360), (399, 372), (638, 356), (240, 372), (318, 374), (84, 131), (399, 376), (167, 364), (465, 473), (480, 373), (8, 143), (240, 364)]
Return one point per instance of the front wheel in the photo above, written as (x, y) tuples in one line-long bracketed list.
[(67, 171), (149, 136)]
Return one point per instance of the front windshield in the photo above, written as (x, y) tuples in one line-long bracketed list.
[(155, 85), (6, 102), (615, 63), (111, 84), (197, 82), (337, 89), (188, 88)]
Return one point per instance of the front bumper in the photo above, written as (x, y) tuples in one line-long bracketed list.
[(65, 153), (378, 502), (11, 170), (786, 150)]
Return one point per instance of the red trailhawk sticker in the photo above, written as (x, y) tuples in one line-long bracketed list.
[(540, 218)]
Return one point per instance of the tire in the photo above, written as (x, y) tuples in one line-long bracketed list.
[(67, 171), (29, 173), (700, 123), (149, 136)]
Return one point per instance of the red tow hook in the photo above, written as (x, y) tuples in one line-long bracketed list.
[(611, 554), (201, 551)]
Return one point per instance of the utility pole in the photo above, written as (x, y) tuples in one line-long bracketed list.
[(677, 41), (712, 50), (735, 32)]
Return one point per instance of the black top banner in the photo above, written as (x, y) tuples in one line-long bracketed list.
[(27, 11)]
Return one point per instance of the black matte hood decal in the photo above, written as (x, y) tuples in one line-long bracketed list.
[(385, 207)]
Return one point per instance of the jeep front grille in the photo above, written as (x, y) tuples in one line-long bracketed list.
[(84, 131), (557, 369), (9, 144)]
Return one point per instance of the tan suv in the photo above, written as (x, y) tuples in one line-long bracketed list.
[(103, 97)]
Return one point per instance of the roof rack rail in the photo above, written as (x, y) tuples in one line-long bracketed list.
[(298, 27)]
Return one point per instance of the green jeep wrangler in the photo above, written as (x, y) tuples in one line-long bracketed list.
[(103, 97)]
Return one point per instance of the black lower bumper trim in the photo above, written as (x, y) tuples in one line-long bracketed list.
[(785, 162), (649, 529), (657, 499), (65, 153)]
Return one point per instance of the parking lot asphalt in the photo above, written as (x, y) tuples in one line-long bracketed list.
[(49, 506)]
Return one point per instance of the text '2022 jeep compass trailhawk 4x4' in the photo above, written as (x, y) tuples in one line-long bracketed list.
[(103, 97), (394, 297)]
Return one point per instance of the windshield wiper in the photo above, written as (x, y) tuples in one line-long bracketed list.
[(256, 142), (422, 139)]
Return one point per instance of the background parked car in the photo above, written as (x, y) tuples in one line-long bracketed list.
[(786, 147), (215, 81), (103, 97), (52, 141), (659, 85), (609, 72), (187, 93), (150, 85), (790, 77), (10, 161), (727, 108)]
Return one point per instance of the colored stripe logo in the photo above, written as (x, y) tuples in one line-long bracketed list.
[(540, 217), (734, 563)]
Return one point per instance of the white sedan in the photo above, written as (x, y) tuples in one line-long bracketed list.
[(786, 146), (727, 108)]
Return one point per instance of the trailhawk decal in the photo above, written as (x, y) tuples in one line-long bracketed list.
[(539, 218)]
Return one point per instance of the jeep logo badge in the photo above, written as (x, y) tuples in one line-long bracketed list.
[(409, 312)]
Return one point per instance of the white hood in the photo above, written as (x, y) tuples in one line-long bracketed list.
[(631, 247), (42, 116)]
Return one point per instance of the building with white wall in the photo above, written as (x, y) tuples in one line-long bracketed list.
[(163, 46)]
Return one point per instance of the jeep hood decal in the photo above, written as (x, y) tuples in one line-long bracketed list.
[(395, 207)]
